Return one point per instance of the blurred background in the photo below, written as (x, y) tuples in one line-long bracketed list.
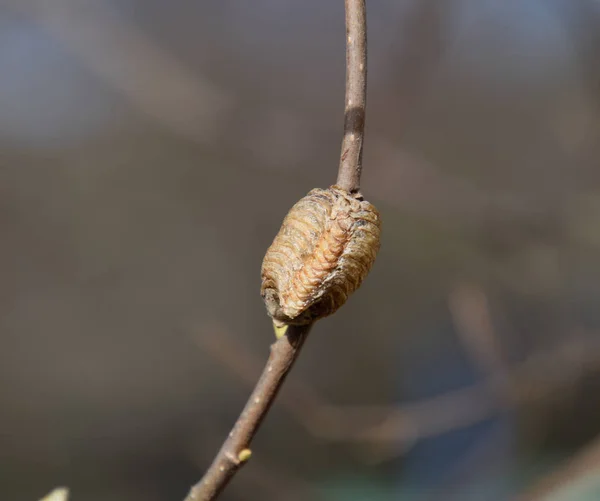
[(148, 153)]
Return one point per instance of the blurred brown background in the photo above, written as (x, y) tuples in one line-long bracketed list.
[(150, 149)]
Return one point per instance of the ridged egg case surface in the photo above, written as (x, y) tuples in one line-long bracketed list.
[(325, 248)]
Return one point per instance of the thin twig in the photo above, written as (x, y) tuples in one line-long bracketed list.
[(235, 451), (299, 399), (406, 423), (356, 96)]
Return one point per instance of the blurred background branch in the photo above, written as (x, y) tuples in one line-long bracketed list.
[(60, 494), (533, 379), (565, 481)]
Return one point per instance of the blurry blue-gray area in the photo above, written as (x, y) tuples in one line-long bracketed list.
[(468, 463), (45, 97), (136, 212), (587, 489)]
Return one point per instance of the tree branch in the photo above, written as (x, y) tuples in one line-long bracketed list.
[(403, 424), (356, 96), (235, 452)]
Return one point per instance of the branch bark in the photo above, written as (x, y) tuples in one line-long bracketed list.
[(404, 424), (235, 451), (284, 352), (356, 96)]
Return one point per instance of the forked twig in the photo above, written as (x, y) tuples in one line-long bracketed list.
[(235, 451)]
